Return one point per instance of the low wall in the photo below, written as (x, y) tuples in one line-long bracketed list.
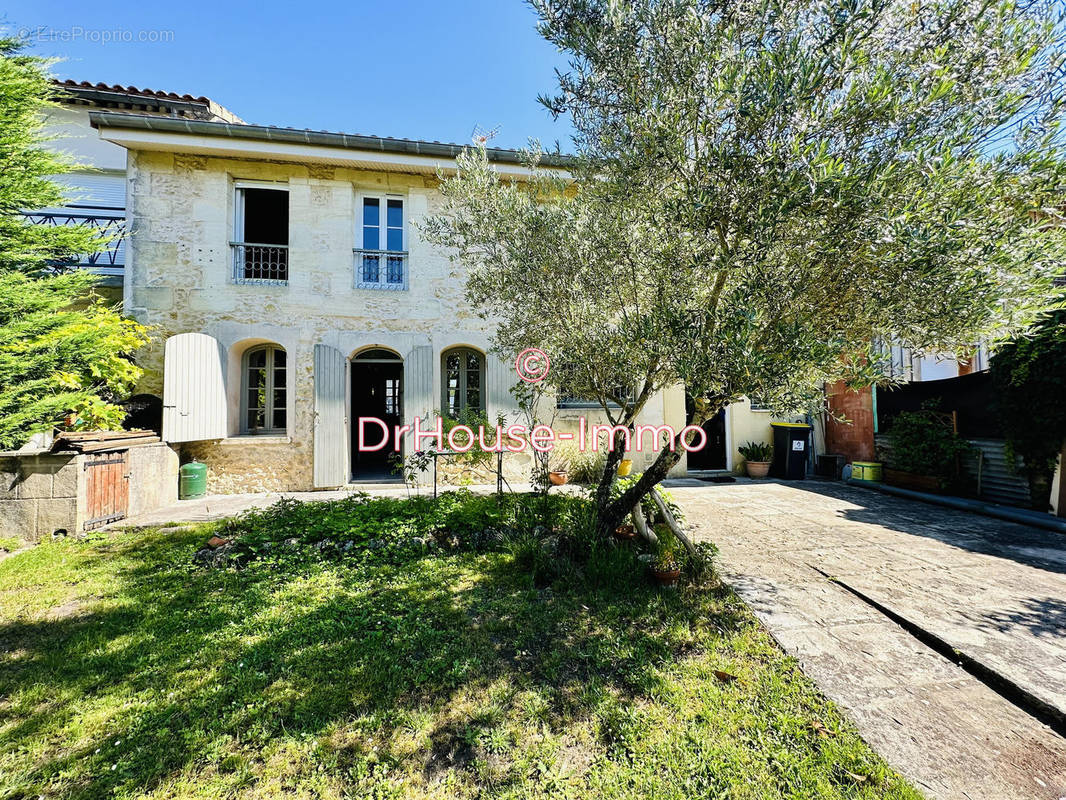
[(39, 494), (43, 494)]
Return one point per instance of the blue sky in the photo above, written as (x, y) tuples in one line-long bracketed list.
[(408, 68)]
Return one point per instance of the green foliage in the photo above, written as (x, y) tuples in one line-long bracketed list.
[(581, 466), (757, 451), (763, 191), (924, 442), (1029, 375), (131, 673), (62, 349), (360, 526)]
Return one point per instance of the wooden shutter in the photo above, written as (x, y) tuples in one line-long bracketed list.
[(499, 377), (330, 439), (418, 397), (194, 389)]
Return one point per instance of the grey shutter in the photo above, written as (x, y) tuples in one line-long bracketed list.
[(194, 388), (500, 376), (94, 191), (418, 397), (330, 439)]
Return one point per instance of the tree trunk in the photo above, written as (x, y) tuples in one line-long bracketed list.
[(610, 513)]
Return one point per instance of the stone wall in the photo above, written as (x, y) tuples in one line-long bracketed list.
[(44, 494), (39, 495), (179, 280)]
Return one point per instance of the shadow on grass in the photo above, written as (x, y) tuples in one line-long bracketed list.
[(185, 665)]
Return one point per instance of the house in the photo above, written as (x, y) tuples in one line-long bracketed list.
[(96, 189), (292, 296)]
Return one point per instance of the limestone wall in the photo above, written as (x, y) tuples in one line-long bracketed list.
[(179, 279)]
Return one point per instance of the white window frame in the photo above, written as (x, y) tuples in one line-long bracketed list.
[(238, 227), (383, 213)]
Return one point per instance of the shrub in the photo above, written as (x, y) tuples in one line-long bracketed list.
[(925, 443), (757, 451)]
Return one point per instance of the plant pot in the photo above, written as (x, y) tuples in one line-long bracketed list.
[(557, 478), (757, 469), (625, 532), (666, 577), (625, 466), (912, 481)]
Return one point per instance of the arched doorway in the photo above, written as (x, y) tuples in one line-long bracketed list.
[(377, 391)]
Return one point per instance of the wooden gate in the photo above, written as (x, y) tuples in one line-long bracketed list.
[(107, 487)]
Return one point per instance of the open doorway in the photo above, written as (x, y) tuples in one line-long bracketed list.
[(713, 455), (377, 391)]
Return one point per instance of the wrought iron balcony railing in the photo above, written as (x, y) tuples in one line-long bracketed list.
[(108, 261), (380, 269), (264, 264)]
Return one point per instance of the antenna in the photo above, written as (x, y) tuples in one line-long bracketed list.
[(482, 136)]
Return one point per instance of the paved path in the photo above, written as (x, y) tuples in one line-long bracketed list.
[(994, 590)]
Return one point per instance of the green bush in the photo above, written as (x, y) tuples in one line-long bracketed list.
[(924, 442)]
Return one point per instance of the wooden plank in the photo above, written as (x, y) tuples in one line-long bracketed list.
[(94, 436), (124, 444)]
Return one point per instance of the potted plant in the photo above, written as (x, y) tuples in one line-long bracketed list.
[(557, 477), (757, 458), (665, 567)]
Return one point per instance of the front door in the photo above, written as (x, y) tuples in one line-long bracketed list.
[(377, 391), (713, 454)]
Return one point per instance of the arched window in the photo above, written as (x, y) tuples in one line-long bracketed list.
[(263, 391), (463, 380)]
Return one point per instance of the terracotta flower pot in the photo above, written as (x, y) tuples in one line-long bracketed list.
[(666, 577), (557, 478), (625, 466), (757, 469), (625, 532)]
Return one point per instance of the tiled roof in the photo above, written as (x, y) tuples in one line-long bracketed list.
[(131, 90), (109, 95)]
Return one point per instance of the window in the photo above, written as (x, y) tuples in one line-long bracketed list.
[(381, 262), (261, 235), (573, 401), (263, 391), (463, 373)]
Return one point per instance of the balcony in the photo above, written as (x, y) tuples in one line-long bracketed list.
[(109, 261), (381, 269), (260, 264)]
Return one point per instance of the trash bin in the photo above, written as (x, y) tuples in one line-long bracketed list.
[(791, 443), (192, 480)]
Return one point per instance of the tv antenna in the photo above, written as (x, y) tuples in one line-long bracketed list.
[(482, 136)]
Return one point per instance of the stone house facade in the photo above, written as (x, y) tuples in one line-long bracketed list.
[(292, 294)]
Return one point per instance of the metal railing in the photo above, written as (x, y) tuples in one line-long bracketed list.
[(380, 269), (260, 263), (108, 261)]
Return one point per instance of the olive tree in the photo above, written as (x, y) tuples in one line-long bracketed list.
[(762, 191)]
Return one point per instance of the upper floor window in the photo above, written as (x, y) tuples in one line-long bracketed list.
[(261, 234), (463, 373), (263, 391), (381, 261)]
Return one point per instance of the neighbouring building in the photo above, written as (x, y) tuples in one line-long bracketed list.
[(292, 295)]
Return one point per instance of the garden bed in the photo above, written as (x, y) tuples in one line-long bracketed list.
[(499, 661)]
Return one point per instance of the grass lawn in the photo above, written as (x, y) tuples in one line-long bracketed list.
[(127, 670)]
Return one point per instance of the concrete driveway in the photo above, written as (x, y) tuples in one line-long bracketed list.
[(871, 593)]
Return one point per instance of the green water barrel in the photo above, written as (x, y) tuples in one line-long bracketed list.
[(192, 480)]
